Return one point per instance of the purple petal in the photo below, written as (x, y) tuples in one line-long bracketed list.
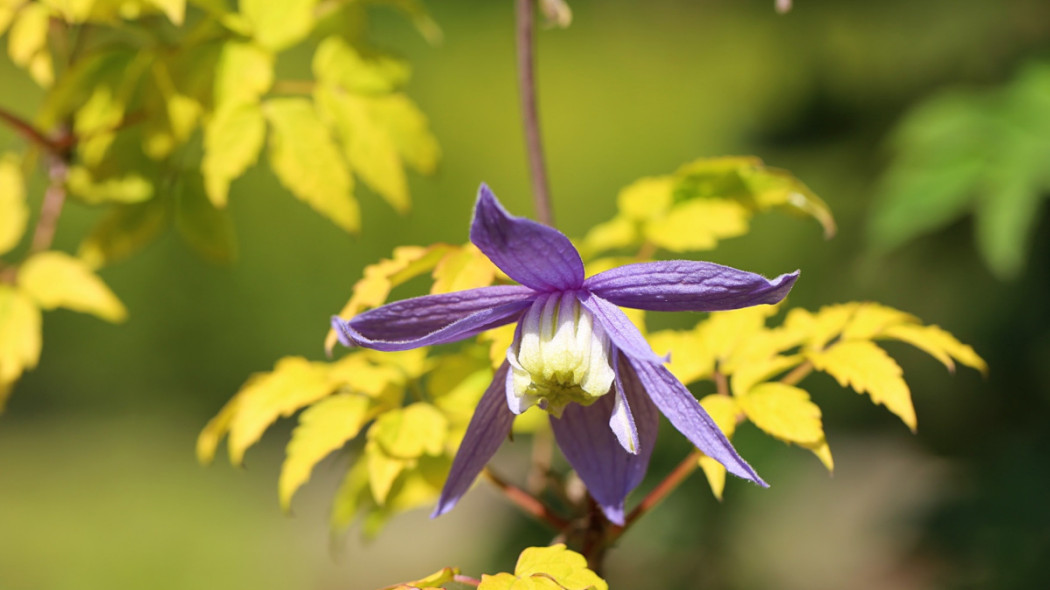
[(488, 427), (687, 285), (433, 319), (584, 436), (689, 417), (621, 422), (623, 334), (531, 253)]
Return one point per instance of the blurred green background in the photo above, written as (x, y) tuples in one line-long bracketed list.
[(99, 487)]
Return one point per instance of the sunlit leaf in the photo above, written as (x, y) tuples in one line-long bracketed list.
[(646, 198), (618, 232), (783, 411), (323, 427), (243, 73), (499, 340), (437, 579), (336, 62), (206, 229), (870, 319), (308, 163), (383, 470), (72, 11), (553, 567), (461, 269), (294, 383), (410, 432), (748, 375), (867, 368), (175, 10), (691, 357), (938, 343), (124, 230), (95, 123), (20, 336), (698, 225), (14, 212), (279, 25), (131, 188), (28, 34), (724, 411), (818, 329), (409, 130), (233, 138), (352, 496), (56, 279)]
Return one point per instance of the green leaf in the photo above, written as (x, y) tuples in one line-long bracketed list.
[(205, 228), (279, 25), (337, 63), (14, 212), (323, 427), (20, 336), (308, 163), (56, 279), (233, 138), (124, 230)]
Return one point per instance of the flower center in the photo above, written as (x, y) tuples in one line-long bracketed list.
[(559, 356)]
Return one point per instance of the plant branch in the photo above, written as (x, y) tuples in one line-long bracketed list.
[(25, 129), (469, 581), (526, 501), (527, 87), (797, 374), (51, 208)]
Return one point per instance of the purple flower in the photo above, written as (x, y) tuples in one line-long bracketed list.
[(575, 353)]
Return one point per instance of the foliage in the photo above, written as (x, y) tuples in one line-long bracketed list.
[(153, 108), (980, 152)]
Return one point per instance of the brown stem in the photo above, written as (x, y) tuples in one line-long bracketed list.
[(28, 131), (721, 382), (51, 208), (797, 374), (527, 87), (469, 581), (526, 501)]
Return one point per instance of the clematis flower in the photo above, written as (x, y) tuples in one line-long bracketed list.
[(575, 353)]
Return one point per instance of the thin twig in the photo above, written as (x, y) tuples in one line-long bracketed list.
[(51, 208), (469, 581), (527, 87), (28, 131), (797, 374), (526, 501)]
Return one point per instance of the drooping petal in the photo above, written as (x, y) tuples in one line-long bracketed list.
[(531, 253), (688, 416), (591, 447), (433, 319), (621, 422), (687, 285), (489, 426), (623, 334)]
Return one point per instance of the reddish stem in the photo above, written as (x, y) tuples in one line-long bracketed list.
[(527, 502), (51, 208), (661, 491), (530, 117)]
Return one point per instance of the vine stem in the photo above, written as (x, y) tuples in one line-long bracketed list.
[(526, 501), (526, 10), (51, 208)]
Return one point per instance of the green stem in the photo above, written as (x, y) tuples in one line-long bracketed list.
[(530, 118)]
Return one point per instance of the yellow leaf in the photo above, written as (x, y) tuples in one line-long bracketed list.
[(216, 428), (867, 368), (56, 279), (409, 130), (938, 343), (42, 70), (183, 113), (747, 375), (771, 187), (725, 332), (279, 25), (646, 198), (691, 357), (818, 329), (698, 224), (870, 319), (372, 290), (175, 10), (437, 579), (28, 34), (499, 341), (567, 569), (72, 11), (383, 470), (618, 232), (783, 411), (353, 495), (419, 484), (410, 432), (233, 138), (724, 411), (410, 363), (7, 14), (243, 73), (323, 428), (20, 342), (293, 384), (461, 269), (823, 452), (130, 188), (336, 62), (95, 122), (307, 162), (14, 213), (357, 374)]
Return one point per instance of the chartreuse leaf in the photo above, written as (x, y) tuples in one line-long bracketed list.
[(131, 188), (124, 230), (73, 11), (411, 431), (27, 42), (691, 357), (408, 129), (866, 368), (308, 163), (323, 428), (499, 340), (698, 225), (14, 213), (383, 470), (554, 567), (233, 138), (724, 411), (56, 279), (7, 14), (243, 73), (175, 10), (336, 62), (461, 269), (279, 25), (20, 337), (205, 228), (936, 342), (437, 579), (784, 412)]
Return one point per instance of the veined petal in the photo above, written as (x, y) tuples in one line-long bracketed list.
[(531, 253), (623, 334), (688, 416), (592, 449), (489, 426), (621, 422), (687, 285), (433, 319)]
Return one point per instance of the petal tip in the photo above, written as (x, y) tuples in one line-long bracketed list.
[(342, 331)]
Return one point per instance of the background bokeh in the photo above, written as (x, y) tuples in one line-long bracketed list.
[(99, 487)]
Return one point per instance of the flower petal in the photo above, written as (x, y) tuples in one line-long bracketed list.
[(592, 449), (687, 285), (623, 334), (688, 416), (489, 426), (433, 319), (531, 253)]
